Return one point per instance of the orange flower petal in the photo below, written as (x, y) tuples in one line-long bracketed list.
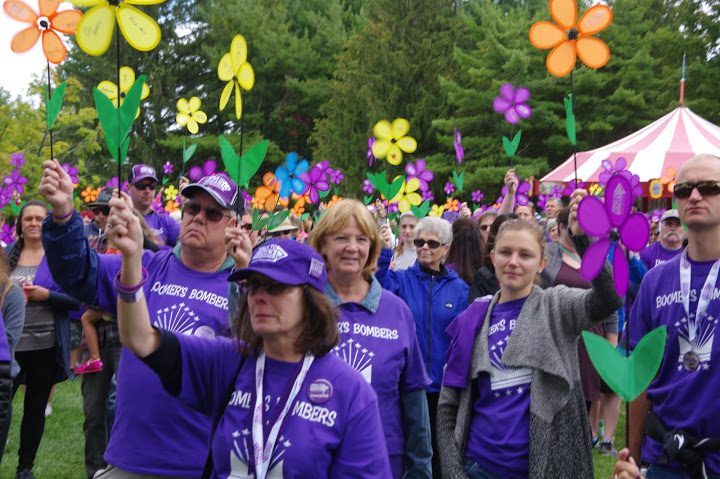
[(593, 52), (24, 40), (20, 11), (595, 19), (561, 60), (564, 12), (544, 35), (48, 7), (66, 21), (53, 47)]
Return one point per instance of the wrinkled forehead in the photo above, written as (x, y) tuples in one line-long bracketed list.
[(701, 168)]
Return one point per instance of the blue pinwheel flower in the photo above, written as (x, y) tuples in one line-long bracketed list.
[(288, 175)]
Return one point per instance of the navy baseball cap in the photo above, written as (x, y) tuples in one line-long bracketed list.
[(222, 189), (288, 262), (141, 172)]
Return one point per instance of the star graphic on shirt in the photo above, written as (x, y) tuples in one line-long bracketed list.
[(508, 392), (245, 432), (680, 368), (500, 342), (497, 395), (684, 320), (287, 443), (492, 348), (520, 390), (706, 366), (166, 309), (677, 323)]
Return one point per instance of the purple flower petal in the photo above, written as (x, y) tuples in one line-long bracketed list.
[(507, 90), (635, 232), (522, 95), (523, 110), (607, 165), (621, 271), (594, 259), (593, 218), (620, 164), (511, 116), (501, 105), (618, 200)]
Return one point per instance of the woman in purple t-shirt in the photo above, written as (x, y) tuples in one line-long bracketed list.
[(511, 405), (282, 406)]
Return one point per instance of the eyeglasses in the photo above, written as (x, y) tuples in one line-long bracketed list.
[(432, 244), (101, 209), (144, 186), (212, 214), (705, 188), (247, 227), (273, 288)]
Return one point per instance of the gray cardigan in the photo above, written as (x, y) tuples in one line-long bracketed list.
[(545, 340)]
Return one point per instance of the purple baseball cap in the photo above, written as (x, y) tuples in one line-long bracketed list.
[(288, 262), (141, 172), (219, 186)]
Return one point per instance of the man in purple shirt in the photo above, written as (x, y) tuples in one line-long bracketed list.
[(671, 235), (142, 185)]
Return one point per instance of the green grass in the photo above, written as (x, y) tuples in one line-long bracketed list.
[(61, 450)]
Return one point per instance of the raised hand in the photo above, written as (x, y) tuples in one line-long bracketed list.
[(123, 227), (239, 246), (57, 189), (575, 199)]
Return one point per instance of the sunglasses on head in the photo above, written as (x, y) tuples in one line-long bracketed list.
[(705, 188), (144, 186), (211, 213), (273, 288), (101, 209), (432, 244)]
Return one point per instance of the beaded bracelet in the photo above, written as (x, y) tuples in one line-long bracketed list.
[(64, 217), (131, 289)]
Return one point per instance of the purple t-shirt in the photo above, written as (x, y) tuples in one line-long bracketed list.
[(154, 432), (681, 398), (165, 228), (382, 346), (500, 428), (332, 433), (656, 254)]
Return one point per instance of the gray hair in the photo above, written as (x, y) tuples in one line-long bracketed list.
[(435, 226)]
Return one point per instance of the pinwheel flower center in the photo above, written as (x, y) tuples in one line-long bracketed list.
[(122, 95), (114, 3), (43, 23), (393, 140), (572, 34)]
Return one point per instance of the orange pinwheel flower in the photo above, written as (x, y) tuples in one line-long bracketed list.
[(571, 38), (47, 24), (452, 205), (267, 196)]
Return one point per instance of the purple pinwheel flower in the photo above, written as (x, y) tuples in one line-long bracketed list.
[(457, 144), (168, 168), (247, 198), (512, 103), (72, 171), (208, 168), (427, 195), (451, 216), (6, 195), (324, 166), (601, 219), (571, 186), (370, 157), (610, 170), (449, 188), (521, 195), (6, 234), (477, 196), (113, 183), (15, 182), (418, 170), (288, 175), (336, 176), (656, 215), (368, 187), (17, 160), (392, 208), (316, 181)]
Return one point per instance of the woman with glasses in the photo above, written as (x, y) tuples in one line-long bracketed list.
[(435, 296), (282, 404), (377, 334)]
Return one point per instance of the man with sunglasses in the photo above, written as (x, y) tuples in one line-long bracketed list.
[(676, 419), (671, 235), (154, 435), (142, 184), (95, 231)]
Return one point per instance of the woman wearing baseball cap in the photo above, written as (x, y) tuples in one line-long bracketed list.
[(282, 406)]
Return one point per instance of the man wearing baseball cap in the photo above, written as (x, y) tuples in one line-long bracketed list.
[(186, 290), (142, 184), (94, 232), (671, 236)]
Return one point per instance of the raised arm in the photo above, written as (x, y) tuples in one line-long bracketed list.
[(511, 183)]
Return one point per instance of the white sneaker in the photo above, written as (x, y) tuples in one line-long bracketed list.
[(48, 410)]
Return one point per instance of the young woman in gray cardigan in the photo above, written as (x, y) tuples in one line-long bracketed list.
[(512, 405)]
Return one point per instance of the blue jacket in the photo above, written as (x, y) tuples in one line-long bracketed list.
[(435, 300)]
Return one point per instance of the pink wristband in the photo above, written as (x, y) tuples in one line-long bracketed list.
[(131, 288), (64, 217)]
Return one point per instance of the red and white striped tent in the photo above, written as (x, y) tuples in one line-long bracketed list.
[(649, 152)]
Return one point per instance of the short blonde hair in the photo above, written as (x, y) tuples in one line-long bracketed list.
[(336, 218)]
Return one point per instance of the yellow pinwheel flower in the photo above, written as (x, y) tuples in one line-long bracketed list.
[(436, 210), (391, 140), (170, 193), (95, 30), (127, 78), (407, 195), (189, 114), (236, 71)]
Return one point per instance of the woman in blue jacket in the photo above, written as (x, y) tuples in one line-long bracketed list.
[(435, 296)]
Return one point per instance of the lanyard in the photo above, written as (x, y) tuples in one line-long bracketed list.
[(262, 450), (705, 294)]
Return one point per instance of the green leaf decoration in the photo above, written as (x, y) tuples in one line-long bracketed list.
[(458, 180), (188, 152), (367, 199), (165, 180), (627, 376), (15, 207), (377, 179), (570, 119), (276, 219), (388, 190), (257, 222), (304, 216), (323, 194), (107, 113), (54, 104), (511, 147), (251, 161), (421, 211), (230, 158)]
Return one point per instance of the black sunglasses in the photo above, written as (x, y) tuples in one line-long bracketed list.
[(432, 244), (273, 288), (101, 209), (705, 188), (212, 214), (144, 186)]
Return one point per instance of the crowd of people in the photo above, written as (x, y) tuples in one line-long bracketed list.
[(354, 346)]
